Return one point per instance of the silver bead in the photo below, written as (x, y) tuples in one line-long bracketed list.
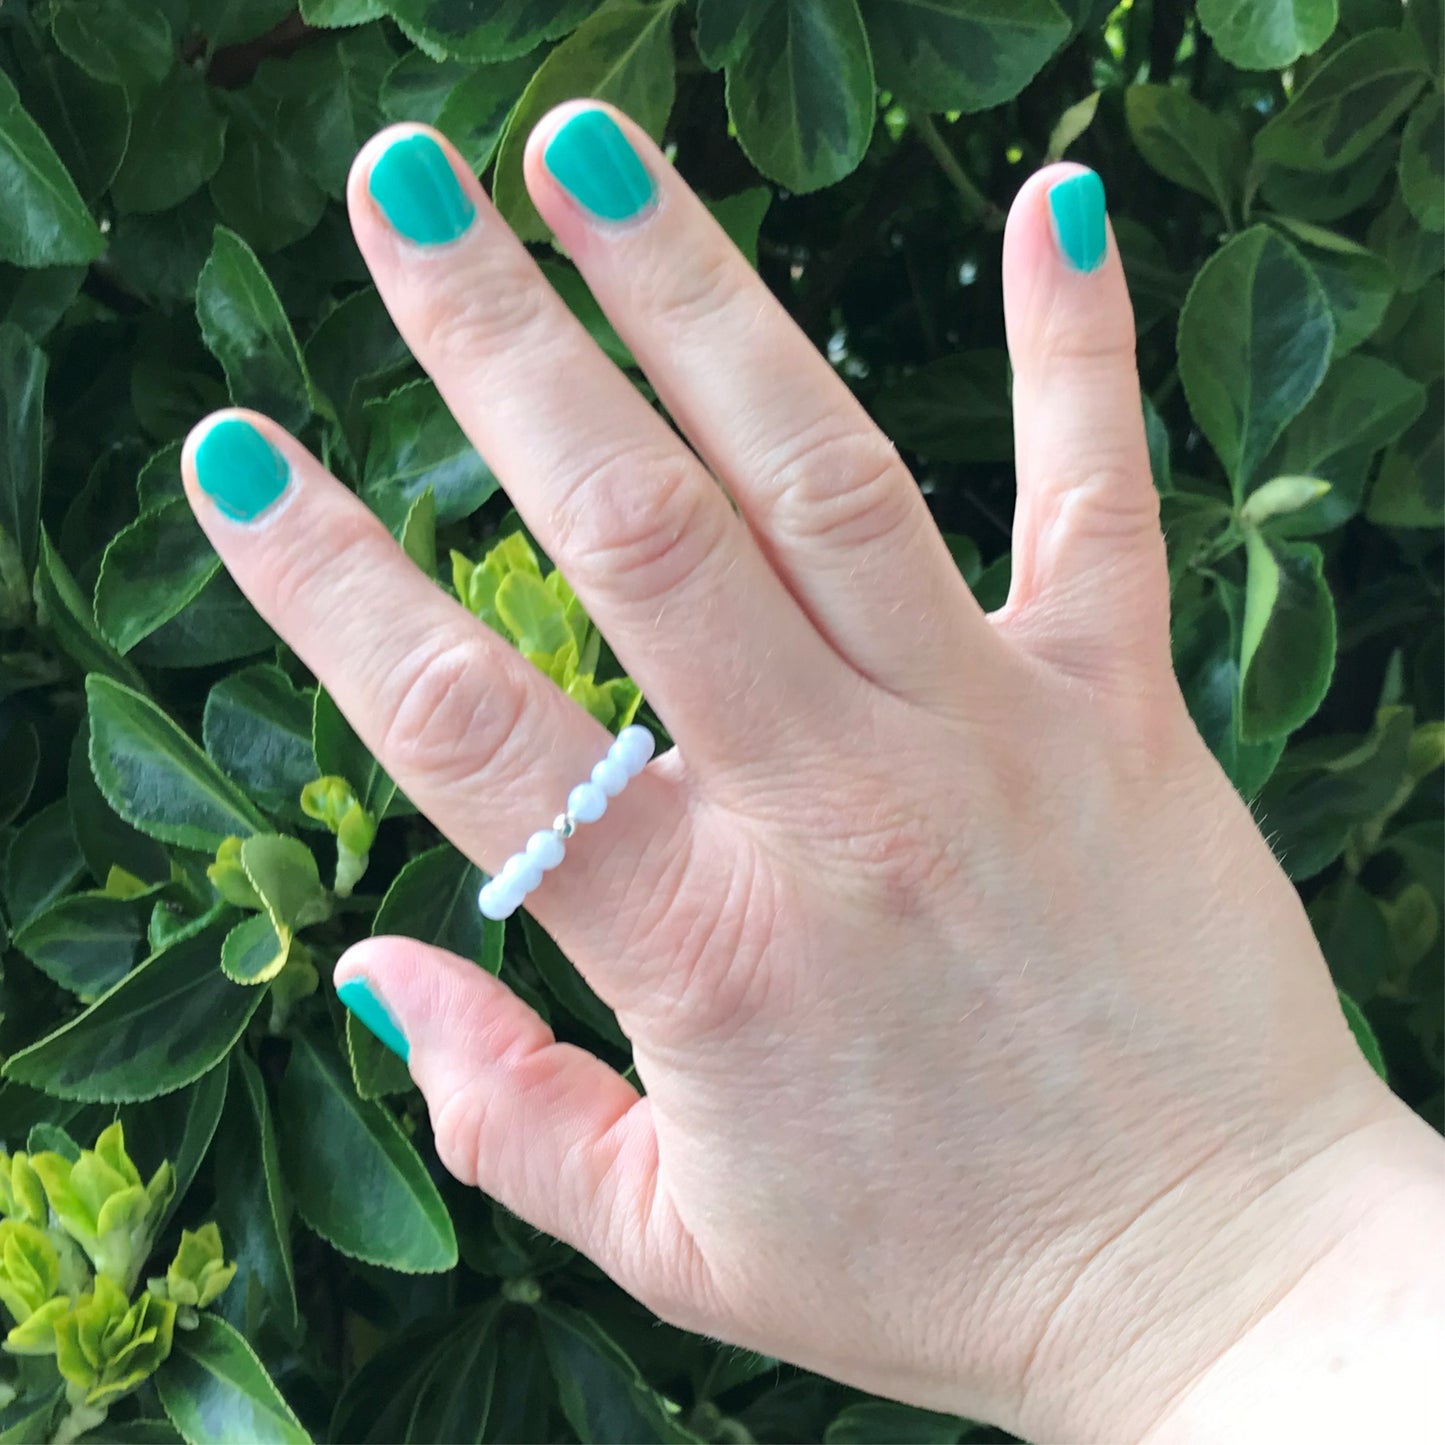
[(564, 825)]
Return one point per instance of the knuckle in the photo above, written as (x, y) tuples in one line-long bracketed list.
[(847, 488), (460, 322), (306, 585), (444, 717), (1085, 334), (697, 293), (650, 520)]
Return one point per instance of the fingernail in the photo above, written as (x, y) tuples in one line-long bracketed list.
[(356, 994), (596, 165), (1078, 209), (418, 191), (239, 470)]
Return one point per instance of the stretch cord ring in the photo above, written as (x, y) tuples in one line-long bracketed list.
[(502, 895)]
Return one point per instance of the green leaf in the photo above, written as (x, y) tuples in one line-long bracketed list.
[(129, 45), (232, 22), (1345, 106), (1358, 284), (21, 746), (85, 942), (390, 1213), (1287, 650), (961, 54), (1255, 338), (43, 221), (416, 87), (486, 29), (355, 342), (219, 626), (1189, 144), (955, 409), (177, 1129), (260, 189), (254, 951), (1422, 162), (28, 1419), (177, 139), (800, 87), (1354, 936), (622, 54), (882, 1422), (67, 614), (22, 440), (41, 862), (251, 1207), (1281, 497), (475, 112), (1267, 34), (217, 1392), (418, 534), (257, 730), (415, 444), (1412, 253), (567, 986), (156, 778), (341, 12), (1364, 1034), (160, 1028), (1410, 488), (1362, 405), (1325, 196), (340, 752), (104, 838), (741, 217), (152, 570), (567, 282), (245, 328), (283, 872)]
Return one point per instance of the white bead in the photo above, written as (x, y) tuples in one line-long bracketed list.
[(497, 901), (632, 748), (611, 775), (587, 802), (545, 849), (521, 873)]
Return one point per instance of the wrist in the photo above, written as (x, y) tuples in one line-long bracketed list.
[(1237, 1294)]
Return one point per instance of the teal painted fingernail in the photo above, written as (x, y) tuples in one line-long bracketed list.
[(1078, 208), (239, 470), (418, 191), (596, 165), (356, 994)]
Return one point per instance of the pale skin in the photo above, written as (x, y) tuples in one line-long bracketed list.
[(990, 1061)]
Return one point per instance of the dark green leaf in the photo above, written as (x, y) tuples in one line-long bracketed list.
[(956, 409), (160, 256), (475, 112), (105, 839), (1267, 34), (1414, 254), (247, 331), (1358, 284), (257, 729), (1189, 144), (43, 221), (487, 29), (434, 898), (568, 986), (86, 942), (1345, 106), (1410, 488), (260, 189), (219, 626), (1324, 196), (41, 862), (416, 87), (130, 45), (1255, 338), (28, 1419), (22, 440), (217, 1392), (34, 301), (160, 1028), (177, 138), (341, 753), (22, 757), (1422, 162), (231, 22), (69, 616), (741, 217), (341, 12), (961, 54), (415, 444), (1364, 1034), (177, 1127), (156, 778), (623, 54), (390, 1212), (881, 1422), (152, 570)]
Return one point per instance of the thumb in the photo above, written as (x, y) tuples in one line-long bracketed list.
[(1090, 590), (545, 1128)]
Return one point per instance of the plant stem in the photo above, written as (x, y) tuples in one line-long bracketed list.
[(976, 205)]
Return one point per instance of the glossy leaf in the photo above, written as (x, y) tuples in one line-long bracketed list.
[(486, 29), (1255, 338), (177, 139), (1188, 143), (216, 1391), (390, 1213), (1364, 1034), (85, 942), (622, 54), (961, 54), (161, 1027), (257, 730), (1267, 34), (1422, 162), (177, 1128), (156, 778), (129, 45), (41, 863), (260, 190), (475, 112), (1410, 488)]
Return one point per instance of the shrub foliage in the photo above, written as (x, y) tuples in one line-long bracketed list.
[(191, 833)]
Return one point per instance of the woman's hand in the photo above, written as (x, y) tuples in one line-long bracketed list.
[(990, 1060)]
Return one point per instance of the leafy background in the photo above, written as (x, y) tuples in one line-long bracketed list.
[(171, 235)]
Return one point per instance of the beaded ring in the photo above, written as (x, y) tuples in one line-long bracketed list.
[(502, 895)]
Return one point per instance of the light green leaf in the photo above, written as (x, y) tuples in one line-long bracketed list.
[(486, 29), (1267, 34), (622, 54), (961, 54), (257, 729), (152, 570), (246, 330), (1345, 106), (1279, 497), (390, 1213), (1287, 648), (1364, 1034), (283, 872), (1255, 338), (177, 139), (254, 951), (216, 1391), (418, 535), (339, 751), (43, 221), (1189, 144), (1422, 162), (800, 86), (160, 1028), (416, 444), (85, 942), (156, 778), (1071, 125)]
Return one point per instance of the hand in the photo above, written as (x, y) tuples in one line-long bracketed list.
[(983, 1039)]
